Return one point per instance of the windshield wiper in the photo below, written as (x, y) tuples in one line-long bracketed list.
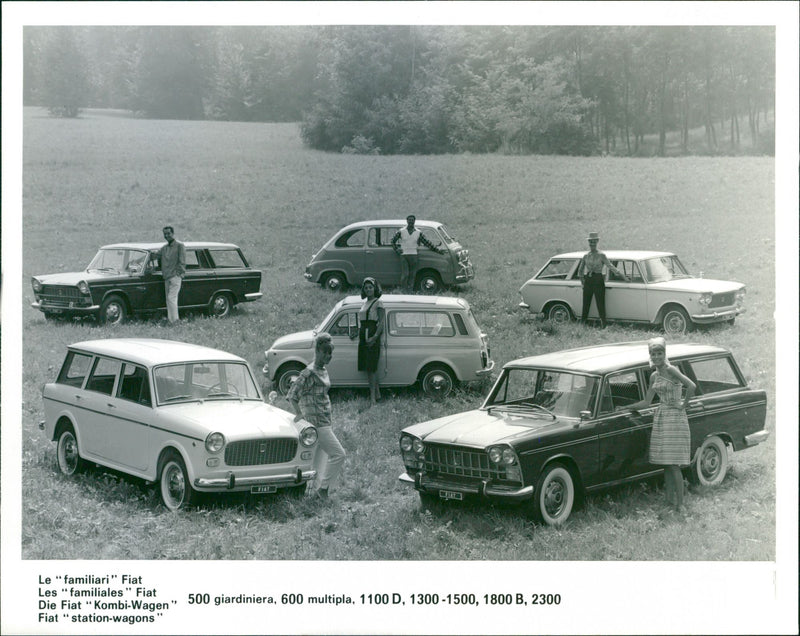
[(520, 406), (172, 398)]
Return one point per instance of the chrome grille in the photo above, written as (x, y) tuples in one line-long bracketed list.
[(256, 452), (61, 295), (458, 462), (722, 300)]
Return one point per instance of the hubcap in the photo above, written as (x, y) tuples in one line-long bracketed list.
[(559, 314), (221, 305), (69, 453), (710, 463), (675, 323), (554, 497), (113, 312), (175, 485), (438, 383)]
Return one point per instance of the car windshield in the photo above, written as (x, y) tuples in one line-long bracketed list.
[(543, 392), (192, 381), (327, 318), (663, 269), (448, 238), (118, 260)]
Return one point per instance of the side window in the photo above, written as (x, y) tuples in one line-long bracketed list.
[(629, 268), (715, 374), (620, 389), (421, 323), (226, 258), (134, 385), (462, 327), (353, 238), (103, 376), (381, 236), (556, 270), (192, 260), (343, 325), (74, 369)]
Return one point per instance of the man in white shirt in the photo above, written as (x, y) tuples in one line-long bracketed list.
[(406, 242)]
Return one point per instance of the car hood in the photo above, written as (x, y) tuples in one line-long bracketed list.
[(236, 420), (480, 428), (700, 285), (299, 340), (73, 278)]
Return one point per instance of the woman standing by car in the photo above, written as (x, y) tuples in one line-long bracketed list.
[(670, 440), (370, 319), (309, 400)]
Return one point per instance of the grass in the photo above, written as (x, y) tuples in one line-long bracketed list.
[(102, 179)]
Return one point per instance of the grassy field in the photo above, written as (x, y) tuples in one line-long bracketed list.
[(101, 179)]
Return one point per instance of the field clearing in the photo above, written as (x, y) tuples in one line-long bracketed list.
[(102, 179)]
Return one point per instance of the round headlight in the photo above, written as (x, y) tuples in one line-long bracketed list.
[(509, 457), (418, 446), (705, 299), (495, 454), (308, 436), (36, 284), (83, 287), (405, 443), (215, 442)]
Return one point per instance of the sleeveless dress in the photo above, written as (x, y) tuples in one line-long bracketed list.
[(670, 439), (368, 318)]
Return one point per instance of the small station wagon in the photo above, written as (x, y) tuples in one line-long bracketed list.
[(365, 249), (186, 416), (433, 340), (549, 431), (125, 279), (660, 291)]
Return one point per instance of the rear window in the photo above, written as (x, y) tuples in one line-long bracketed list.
[(227, 258), (74, 369), (421, 323), (715, 374), (352, 238)]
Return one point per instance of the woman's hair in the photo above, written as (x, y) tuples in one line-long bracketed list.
[(323, 342), (378, 290)]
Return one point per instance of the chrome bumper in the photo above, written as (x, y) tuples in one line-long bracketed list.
[(482, 372), (756, 438), (716, 316), (231, 482), (253, 296), (82, 309), (481, 489)]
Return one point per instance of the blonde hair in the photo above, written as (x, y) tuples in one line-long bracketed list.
[(323, 342)]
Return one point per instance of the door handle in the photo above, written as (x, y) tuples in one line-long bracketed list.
[(111, 406)]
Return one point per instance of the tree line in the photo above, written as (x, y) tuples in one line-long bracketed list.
[(428, 89)]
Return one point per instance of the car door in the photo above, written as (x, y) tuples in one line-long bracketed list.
[(343, 367), (348, 253), (99, 407), (147, 293), (626, 300), (624, 436), (129, 430), (199, 281), (381, 261), (232, 273)]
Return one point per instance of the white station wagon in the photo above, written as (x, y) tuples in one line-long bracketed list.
[(189, 417), (660, 291)]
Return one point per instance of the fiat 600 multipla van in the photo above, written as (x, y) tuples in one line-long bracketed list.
[(365, 249), (433, 340)]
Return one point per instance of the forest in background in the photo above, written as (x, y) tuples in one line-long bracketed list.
[(429, 89)]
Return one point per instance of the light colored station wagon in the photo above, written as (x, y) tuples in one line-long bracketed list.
[(660, 291), (189, 417), (365, 249), (433, 340)]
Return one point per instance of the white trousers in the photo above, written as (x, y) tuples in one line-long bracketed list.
[(172, 286)]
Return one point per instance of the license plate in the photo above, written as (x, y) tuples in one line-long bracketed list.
[(449, 494), (261, 490), (56, 311)]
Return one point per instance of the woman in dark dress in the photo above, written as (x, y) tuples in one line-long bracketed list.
[(370, 319)]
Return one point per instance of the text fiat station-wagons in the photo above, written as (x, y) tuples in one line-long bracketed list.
[(125, 279), (433, 340), (550, 428), (365, 249), (186, 416)]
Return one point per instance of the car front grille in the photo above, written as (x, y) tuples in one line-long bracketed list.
[(60, 294), (454, 461), (256, 452), (722, 300)]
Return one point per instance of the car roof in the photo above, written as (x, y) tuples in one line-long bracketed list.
[(636, 255), (155, 246), (609, 357), (398, 301), (152, 351), (391, 222)]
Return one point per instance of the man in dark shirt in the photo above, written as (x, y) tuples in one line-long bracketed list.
[(405, 242), (173, 267)]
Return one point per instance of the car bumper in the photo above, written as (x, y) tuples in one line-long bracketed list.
[(484, 372), (253, 296), (231, 482), (756, 438), (717, 316), (466, 272), (66, 310), (484, 489)]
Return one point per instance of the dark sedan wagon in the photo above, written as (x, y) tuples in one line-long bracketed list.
[(125, 279), (549, 429)]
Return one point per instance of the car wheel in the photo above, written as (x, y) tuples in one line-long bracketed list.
[(286, 376), (113, 311), (559, 313), (437, 381), (176, 491), (711, 462), (69, 459), (676, 322), (220, 305), (429, 282), (334, 281), (554, 495)]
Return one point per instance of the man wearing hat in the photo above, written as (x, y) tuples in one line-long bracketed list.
[(590, 271)]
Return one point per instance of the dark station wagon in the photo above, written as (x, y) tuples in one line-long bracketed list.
[(125, 279), (549, 429)]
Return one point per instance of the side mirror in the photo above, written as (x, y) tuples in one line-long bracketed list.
[(273, 395), (586, 415)]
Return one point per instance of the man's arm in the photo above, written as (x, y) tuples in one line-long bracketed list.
[(608, 264), (181, 259), (428, 244), (396, 238)]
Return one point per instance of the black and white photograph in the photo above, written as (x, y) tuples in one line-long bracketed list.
[(399, 317)]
